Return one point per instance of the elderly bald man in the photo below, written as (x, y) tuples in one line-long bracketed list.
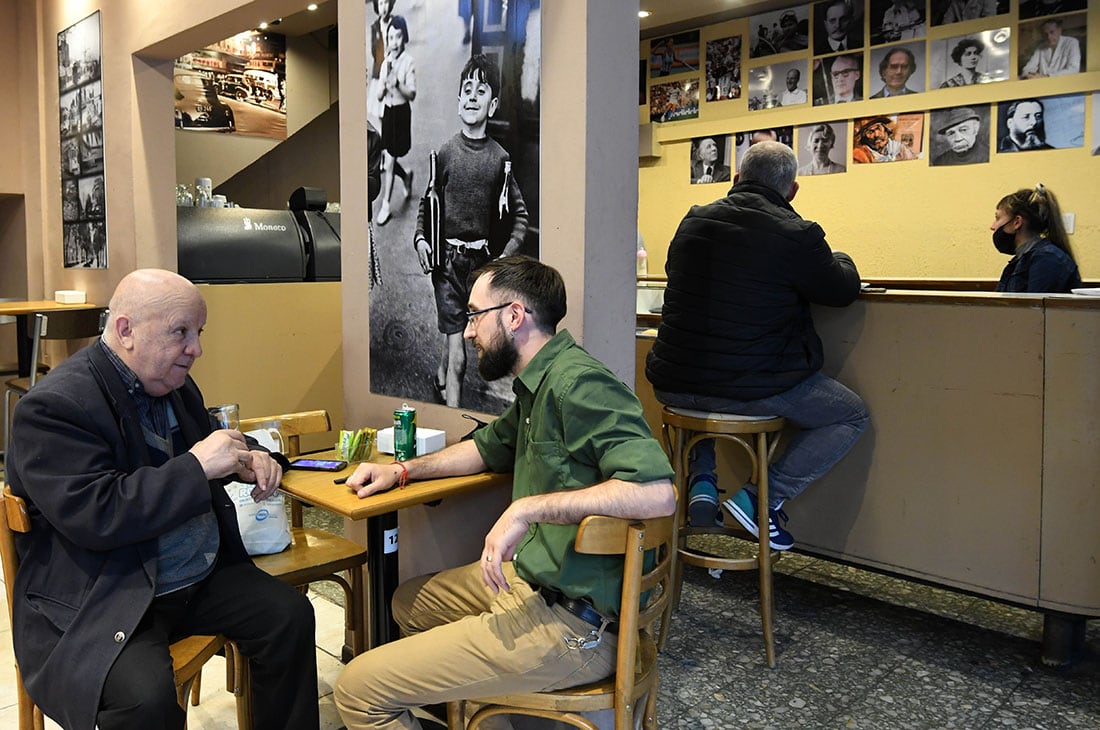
[(134, 540)]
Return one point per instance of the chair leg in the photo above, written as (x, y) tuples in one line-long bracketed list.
[(242, 689), (196, 689), (674, 442), (764, 549), (456, 715)]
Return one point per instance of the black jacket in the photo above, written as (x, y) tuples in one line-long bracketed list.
[(742, 273), (97, 506)]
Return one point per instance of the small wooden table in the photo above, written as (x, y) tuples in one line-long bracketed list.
[(380, 512), (22, 310)]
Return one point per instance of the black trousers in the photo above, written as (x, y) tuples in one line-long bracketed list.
[(271, 622)]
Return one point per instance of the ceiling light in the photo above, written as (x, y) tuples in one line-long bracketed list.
[(311, 7), (263, 26), (644, 13)]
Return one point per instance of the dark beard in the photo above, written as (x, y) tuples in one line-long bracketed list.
[(497, 360), (1030, 140)]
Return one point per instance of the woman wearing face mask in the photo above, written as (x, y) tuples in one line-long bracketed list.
[(1028, 227)]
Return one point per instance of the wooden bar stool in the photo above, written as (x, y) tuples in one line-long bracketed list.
[(757, 436)]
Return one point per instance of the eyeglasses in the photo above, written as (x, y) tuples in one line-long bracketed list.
[(470, 315)]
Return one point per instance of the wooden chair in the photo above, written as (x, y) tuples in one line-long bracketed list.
[(315, 555), (76, 324), (188, 654), (635, 674), (757, 436)]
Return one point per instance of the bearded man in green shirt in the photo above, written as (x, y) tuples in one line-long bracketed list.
[(577, 444)]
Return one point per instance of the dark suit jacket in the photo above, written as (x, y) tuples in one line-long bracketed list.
[(721, 173), (97, 506), (854, 39)]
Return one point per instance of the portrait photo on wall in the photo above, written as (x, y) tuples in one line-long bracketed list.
[(888, 138), (946, 12), (779, 84), (838, 26), (744, 140), (897, 70), (1044, 123), (1038, 8), (959, 135), (1052, 46), (978, 58), (1095, 123), (674, 54), (710, 159), (724, 69), (83, 189), (897, 20), (838, 79), (459, 187), (674, 101), (779, 32), (237, 85), (822, 148)]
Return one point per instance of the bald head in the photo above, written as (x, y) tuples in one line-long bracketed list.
[(154, 325)]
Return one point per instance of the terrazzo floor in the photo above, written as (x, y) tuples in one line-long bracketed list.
[(854, 650)]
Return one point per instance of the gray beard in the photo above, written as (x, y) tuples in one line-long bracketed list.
[(1028, 141)]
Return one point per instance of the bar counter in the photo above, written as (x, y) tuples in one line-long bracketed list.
[(981, 468)]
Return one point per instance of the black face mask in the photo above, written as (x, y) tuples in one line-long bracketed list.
[(1004, 242)]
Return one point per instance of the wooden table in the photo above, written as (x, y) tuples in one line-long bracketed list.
[(380, 512), (22, 311)]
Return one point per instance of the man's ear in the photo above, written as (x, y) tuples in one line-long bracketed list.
[(794, 191), (736, 177), (493, 105), (124, 332)]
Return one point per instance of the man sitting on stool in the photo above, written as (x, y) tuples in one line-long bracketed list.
[(736, 334)]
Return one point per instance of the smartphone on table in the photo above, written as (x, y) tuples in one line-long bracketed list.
[(319, 464)]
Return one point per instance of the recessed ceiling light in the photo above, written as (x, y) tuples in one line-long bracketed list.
[(644, 13), (263, 26), (311, 7)]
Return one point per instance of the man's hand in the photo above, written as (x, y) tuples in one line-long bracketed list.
[(222, 453), (265, 472), (501, 544), (370, 478), (424, 254)]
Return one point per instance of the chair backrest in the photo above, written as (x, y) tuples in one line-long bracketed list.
[(62, 324), (13, 519), (600, 535), (291, 426)]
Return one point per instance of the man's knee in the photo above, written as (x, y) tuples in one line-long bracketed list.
[(145, 700)]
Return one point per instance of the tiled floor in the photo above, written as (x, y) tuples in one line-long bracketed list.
[(855, 650)]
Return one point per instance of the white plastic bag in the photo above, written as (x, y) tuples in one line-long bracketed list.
[(264, 525)]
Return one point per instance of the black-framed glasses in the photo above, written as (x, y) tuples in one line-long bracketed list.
[(470, 315)]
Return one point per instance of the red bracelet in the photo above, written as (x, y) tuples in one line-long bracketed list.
[(403, 480)]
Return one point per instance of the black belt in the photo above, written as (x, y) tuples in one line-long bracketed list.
[(579, 607)]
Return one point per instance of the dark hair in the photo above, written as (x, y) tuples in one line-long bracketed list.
[(1010, 112), (482, 68), (1040, 209), (398, 21), (538, 286), (961, 46), (898, 49)]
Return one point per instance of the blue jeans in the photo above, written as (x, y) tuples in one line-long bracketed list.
[(830, 418)]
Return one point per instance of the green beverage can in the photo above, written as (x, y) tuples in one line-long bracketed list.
[(404, 433)]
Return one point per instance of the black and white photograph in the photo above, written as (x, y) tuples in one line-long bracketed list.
[(897, 20), (779, 31), (779, 84), (898, 70), (1041, 123), (978, 58), (822, 148), (724, 69), (838, 26), (235, 86), (1095, 123), (959, 135), (888, 138), (710, 159), (1053, 46), (838, 79), (80, 113), (674, 54), (674, 101), (462, 167), (1038, 8), (946, 12), (744, 140)]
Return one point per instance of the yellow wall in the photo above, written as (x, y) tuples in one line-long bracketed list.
[(903, 219)]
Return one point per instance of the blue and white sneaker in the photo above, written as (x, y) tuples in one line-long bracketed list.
[(703, 502), (743, 507)]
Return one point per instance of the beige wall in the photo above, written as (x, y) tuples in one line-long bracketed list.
[(899, 219)]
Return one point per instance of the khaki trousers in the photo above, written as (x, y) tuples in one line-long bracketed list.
[(464, 643)]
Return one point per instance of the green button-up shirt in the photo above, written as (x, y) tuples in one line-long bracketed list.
[(573, 424)]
